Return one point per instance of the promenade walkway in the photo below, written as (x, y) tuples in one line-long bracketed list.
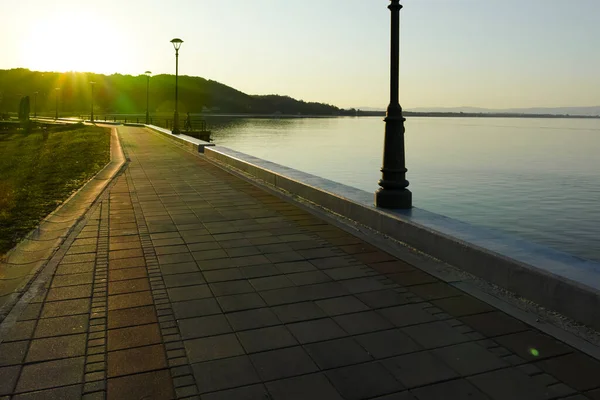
[(187, 282)]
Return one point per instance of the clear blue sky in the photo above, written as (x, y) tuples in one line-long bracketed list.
[(484, 53)]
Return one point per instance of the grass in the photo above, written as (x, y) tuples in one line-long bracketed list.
[(39, 171)]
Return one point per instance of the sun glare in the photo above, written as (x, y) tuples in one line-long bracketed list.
[(72, 41)]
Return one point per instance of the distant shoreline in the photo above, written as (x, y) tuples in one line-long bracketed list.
[(407, 114)]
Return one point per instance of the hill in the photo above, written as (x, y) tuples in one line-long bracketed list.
[(126, 94)]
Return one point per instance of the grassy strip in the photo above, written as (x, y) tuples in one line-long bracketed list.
[(39, 171)]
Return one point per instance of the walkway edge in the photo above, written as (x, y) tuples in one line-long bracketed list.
[(28, 257)]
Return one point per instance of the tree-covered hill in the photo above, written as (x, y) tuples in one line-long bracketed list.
[(126, 94)]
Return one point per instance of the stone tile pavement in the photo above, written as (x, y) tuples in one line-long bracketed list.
[(187, 282)]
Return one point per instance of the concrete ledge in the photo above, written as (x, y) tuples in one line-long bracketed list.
[(187, 141), (553, 279)]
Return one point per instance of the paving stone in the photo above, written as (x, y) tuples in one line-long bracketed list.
[(182, 268), (364, 381), (31, 312), (127, 263), (266, 339), (252, 319), (239, 302), (231, 288), (19, 331), (131, 316), (62, 393), (223, 374), (136, 360), (65, 269), (56, 347), (295, 267), (154, 385), (313, 386), (203, 326), (359, 285), (282, 363), (298, 312), (522, 343), (134, 336), (435, 334), (271, 282), (388, 343), (129, 300), (8, 379), (418, 369), (69, 292), (12, 353), (316, 330), (462, 305), (410, 314), (257, 271), (223, 275), (593, 394), (196, 308), (363, 322), (189, 293), (308, 278), (576, 370), (66, 307), (213, 347), (128, 286), (337, 353), (51, 374), (416, 277), (494, 324), (127, 273), (456, 389), (383, 298), (469, 359), (509, 384), (252, 392)]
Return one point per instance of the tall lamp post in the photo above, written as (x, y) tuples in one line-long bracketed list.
[(176, 44), (393, 192), (148, 73), (35, 104), (57, 90), (92, 116)]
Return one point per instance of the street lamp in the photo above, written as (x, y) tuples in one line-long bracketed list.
[(393, 192), (92, 117), (57, 90), (176, 44), (148, 73), (35, 104)]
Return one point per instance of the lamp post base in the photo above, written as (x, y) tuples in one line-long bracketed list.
[(390, 198), (176, 130)]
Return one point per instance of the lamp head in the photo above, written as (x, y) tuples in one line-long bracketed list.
[(176, 43)]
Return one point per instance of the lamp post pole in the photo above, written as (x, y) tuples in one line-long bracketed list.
[(393, 192), (57, 90), (147, 96), (92, 116), (35, 104), (176, 44)]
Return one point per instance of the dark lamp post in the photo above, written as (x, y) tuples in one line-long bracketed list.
[(147, 73), (92, 117), (176, 44), (393, 192), (57, 90)]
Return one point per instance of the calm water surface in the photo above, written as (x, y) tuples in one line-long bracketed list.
[(534, 178)]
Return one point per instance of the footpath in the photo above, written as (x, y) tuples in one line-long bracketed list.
[(185, 281)]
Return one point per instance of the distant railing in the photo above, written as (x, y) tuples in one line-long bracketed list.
[(193, 124)]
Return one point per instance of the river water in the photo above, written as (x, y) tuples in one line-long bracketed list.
[(538, 179)]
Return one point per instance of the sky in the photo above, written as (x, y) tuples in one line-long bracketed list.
[(453, 53)]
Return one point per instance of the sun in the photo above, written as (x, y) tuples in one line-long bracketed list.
[(72, 40)]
